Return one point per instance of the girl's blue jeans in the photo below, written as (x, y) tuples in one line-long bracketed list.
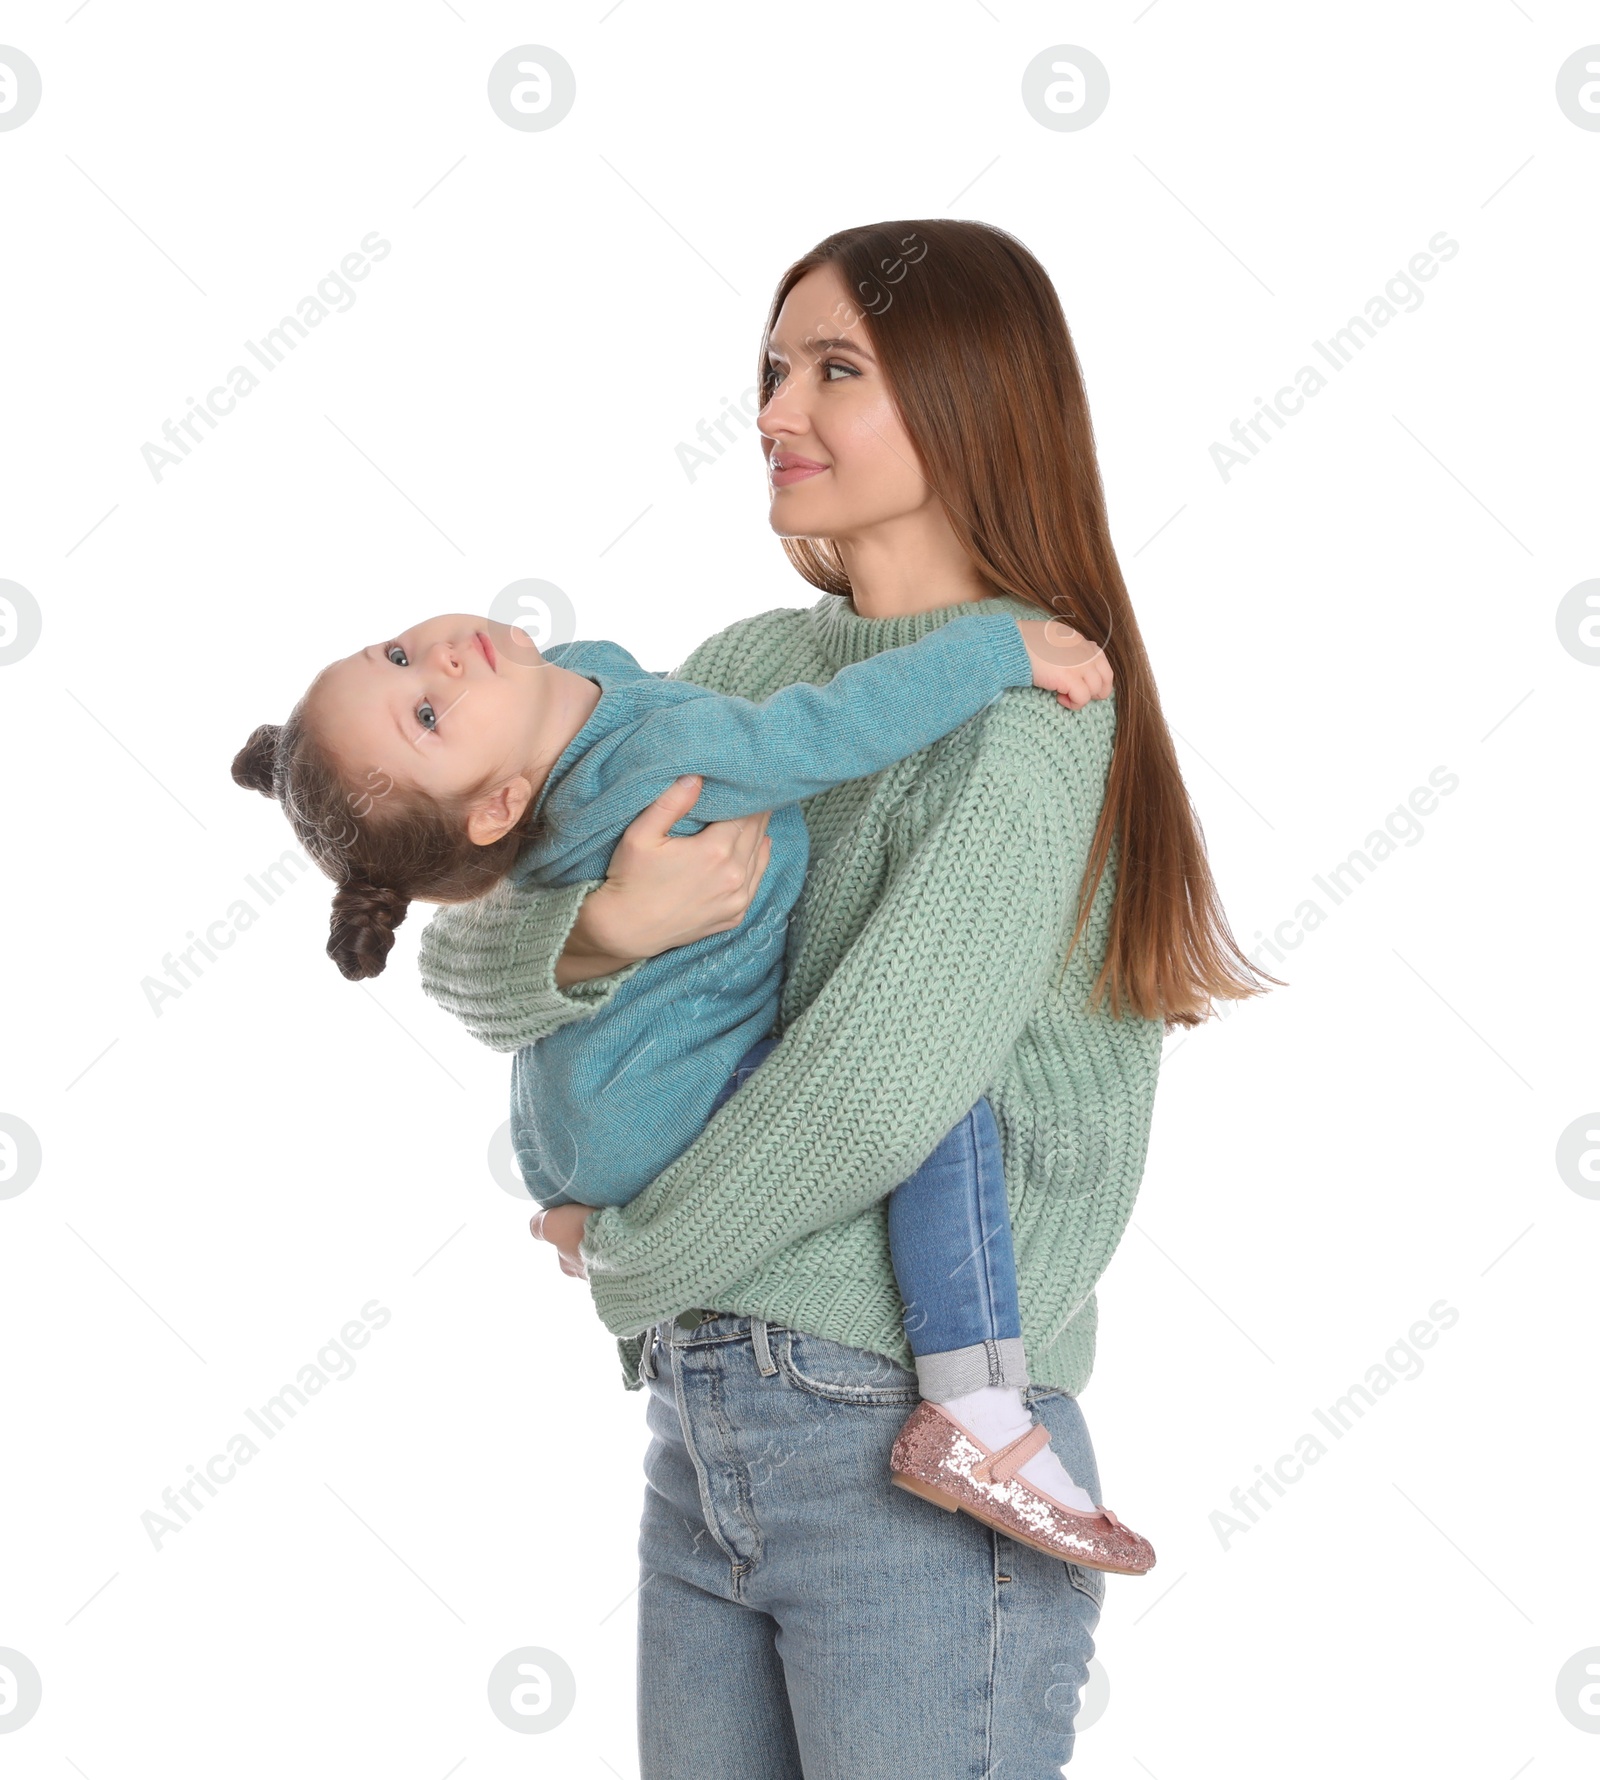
[(950, 1241)]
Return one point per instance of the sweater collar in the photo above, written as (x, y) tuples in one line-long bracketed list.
[(844, 636)]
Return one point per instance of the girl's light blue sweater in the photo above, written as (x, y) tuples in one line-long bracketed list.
[(606, 1102)]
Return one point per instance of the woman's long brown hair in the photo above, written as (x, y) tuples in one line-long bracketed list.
[(969, 333)]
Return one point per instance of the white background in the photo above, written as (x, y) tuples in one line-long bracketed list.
[(224, 1184)]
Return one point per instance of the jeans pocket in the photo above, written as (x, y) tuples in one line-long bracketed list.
[(842, 1374)]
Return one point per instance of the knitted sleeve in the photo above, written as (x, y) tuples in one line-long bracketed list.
[(492, 963), (900, 1041)]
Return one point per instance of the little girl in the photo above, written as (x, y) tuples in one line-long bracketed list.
[(455, 755)]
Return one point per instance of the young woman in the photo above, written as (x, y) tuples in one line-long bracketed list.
[(1018, 911)]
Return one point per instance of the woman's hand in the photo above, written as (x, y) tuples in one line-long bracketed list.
[(664, 890), (564, 1225), (1065, 662)]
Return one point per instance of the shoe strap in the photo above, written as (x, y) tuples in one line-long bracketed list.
[(1010, 1458)]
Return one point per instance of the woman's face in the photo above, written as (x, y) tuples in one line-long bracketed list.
[(838, 458)]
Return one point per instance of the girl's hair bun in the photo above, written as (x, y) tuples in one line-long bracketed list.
[(363, 923), (252, 765)]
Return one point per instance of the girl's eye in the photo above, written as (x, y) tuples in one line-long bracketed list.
[(425, 714), (835, 364)]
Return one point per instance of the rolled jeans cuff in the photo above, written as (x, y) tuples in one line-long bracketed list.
[(961, 1369)]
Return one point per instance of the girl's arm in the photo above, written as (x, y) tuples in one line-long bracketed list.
[(805, 739), (904, 1036)]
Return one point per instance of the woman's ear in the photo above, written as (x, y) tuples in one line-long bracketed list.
[(498, 811)]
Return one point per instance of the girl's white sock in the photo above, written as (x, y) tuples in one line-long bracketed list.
[(997, 1415)]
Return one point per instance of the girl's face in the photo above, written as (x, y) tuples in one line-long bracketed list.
[(838, 457), (442, 706)]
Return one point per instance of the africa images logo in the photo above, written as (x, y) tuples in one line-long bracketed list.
[(332, 296)]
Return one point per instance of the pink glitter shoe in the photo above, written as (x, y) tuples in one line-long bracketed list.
[(936, 1458)]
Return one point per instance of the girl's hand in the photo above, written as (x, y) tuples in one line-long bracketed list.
[(564, 1225), (666, 890), (1065, 662)]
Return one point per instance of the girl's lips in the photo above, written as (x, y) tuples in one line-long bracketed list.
[(488, 650), (795, 469)]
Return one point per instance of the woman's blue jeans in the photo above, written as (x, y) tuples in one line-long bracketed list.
[(950, 1242), (800, 1618)]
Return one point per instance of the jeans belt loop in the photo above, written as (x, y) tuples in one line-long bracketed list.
[(758, 1340)]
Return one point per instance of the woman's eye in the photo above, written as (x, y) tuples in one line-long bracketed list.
[(429, 721), (395, 649), (835, 364)]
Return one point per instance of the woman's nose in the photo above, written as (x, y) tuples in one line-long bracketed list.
[(783, 412)]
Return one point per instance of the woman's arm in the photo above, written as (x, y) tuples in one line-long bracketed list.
[(902, 1039), (523, 960), (520, 962)]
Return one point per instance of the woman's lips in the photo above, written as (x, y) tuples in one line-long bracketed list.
[(488, 650), (795, 469)]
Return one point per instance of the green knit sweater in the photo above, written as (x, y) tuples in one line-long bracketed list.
[(920, 973)]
